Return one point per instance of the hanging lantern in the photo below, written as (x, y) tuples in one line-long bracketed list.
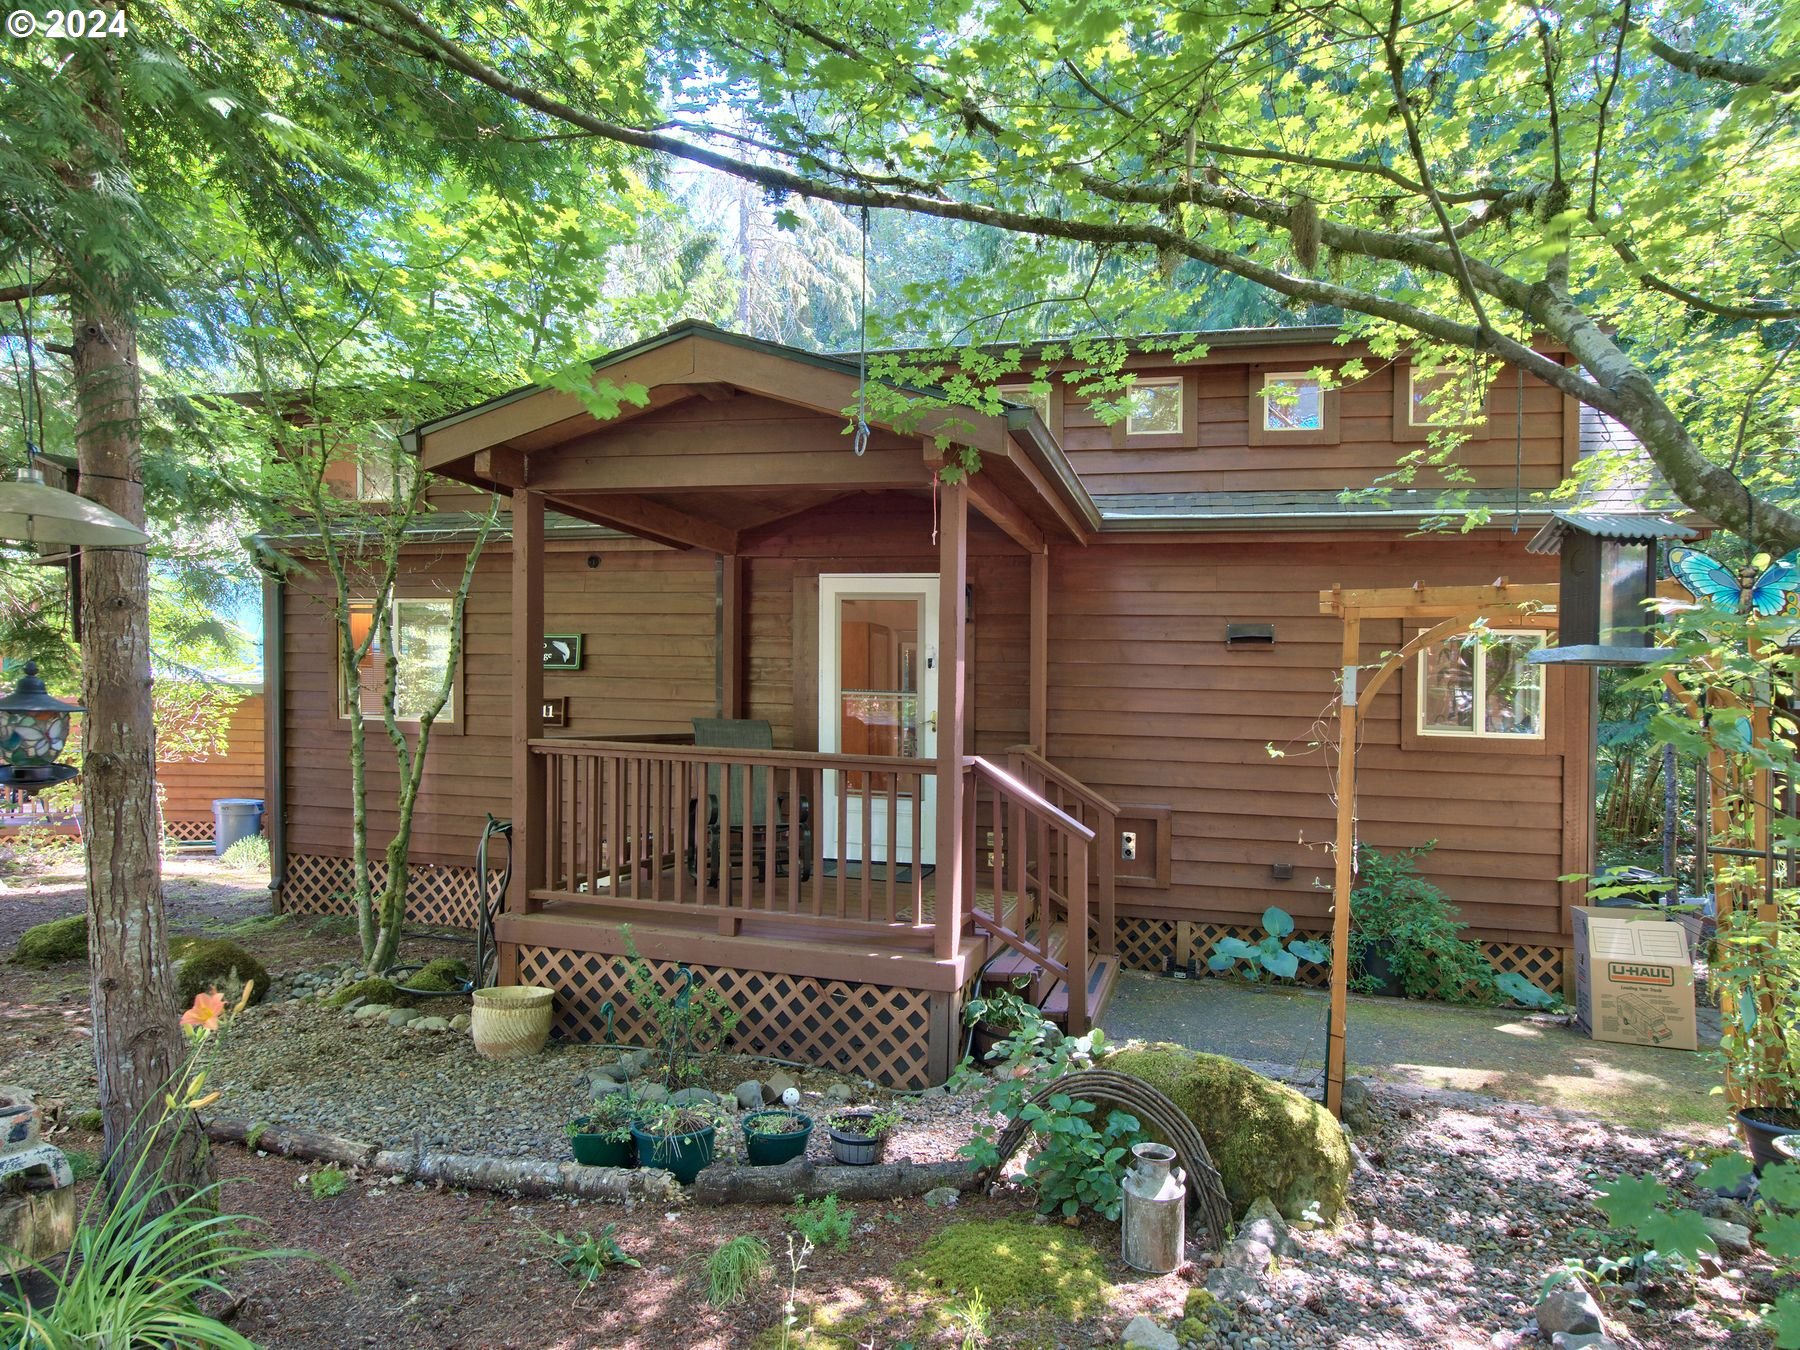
[(34, 727), (1608, 576)]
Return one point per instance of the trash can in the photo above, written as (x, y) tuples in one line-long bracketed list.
[(235, 818)]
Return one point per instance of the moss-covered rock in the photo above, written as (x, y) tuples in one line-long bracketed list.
[(446, 975), (374, 989), (1265, 1138), (1015, 1266), (213, 963), (47, 943)]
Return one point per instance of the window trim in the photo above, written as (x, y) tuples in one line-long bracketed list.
[(363, 494), (451, 719), (1418, 736), (1179, 383), (1260, 433), (1405, 428)]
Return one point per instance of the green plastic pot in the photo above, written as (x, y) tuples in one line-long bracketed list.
[(592, 1150), (770, 1150), (682, 1154)]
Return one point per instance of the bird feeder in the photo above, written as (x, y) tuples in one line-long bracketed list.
[(34, 727), (1608, 578)]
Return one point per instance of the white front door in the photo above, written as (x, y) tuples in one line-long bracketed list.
[(878, 696)]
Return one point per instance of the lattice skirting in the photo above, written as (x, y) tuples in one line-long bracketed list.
[(1150, 944), (864, 1029), (187, 830), (444, 897)]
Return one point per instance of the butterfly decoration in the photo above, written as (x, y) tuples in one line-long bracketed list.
[(1746, 591)]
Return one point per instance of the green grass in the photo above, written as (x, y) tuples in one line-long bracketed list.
[(734, 1267)]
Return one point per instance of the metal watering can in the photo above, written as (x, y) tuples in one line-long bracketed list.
[(1153, 1224)]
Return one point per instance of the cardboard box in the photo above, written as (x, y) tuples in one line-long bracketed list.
[(1634, 978)]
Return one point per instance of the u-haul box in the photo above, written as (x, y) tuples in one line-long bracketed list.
[(1634, 978)]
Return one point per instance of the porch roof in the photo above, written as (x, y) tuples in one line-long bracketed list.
[(736, 434)]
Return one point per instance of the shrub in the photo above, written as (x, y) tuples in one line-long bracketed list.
[(1393, 905), (249, 854), (823, 1223), (59, 940), (588, 1256), (329, 1181), (737, 1264), (214, 963), (1277, 953), (374, 989)]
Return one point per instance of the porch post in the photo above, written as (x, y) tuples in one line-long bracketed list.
[(527, 696), (953, 614), (1040, 653), (731, 635)]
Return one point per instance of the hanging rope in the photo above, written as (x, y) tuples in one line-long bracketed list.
[(860, 440)]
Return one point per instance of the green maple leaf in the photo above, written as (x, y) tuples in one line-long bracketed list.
[(1780, 1236), (1781, 1185), (1784, 1321), (1628, 1202), (1677, 1232), (1725, 1172)]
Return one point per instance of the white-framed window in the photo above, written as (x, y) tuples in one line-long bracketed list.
[(1441, 399), (1482, 685), (1292, 400), (1038, 400), (1153, 408), (374, 479), (418, 631)]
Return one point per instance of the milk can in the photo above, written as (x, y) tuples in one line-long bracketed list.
[(1152, 1226)]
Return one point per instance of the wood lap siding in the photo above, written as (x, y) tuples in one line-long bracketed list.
[(1147, 704), (191, 785), (648, 623), (1218, 457)]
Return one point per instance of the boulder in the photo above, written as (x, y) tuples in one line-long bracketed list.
[(217, 964), (1592, 1341), (1262, 1223), (1265, 1138), (599, 1085), (1569, 1308), (368, 1011), (45, 944), (840, 1094), (460, 1022), (399, 1017), (431, 1024), (1359, 1106), (653, 1092), (749, 1095), (776, 1084), (942, 1197), (1732, 1239), (693, 1096), (1143, 1333)]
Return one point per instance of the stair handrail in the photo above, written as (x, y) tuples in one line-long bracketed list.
[(1106, 829), (1073, 967)]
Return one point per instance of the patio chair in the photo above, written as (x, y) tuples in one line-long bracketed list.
[(750, 805)]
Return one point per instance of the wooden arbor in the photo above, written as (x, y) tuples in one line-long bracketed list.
[(1456, 609)]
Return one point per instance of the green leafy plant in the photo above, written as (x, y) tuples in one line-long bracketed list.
[(249, 854), (735, 1265), (1756, 969), (1075, 1163), (328, 1181), (776, 1122), (1277, 954), (1640, 1206), (611, 1118), (824, 1222), (1409, 920), (664, 1120), (682, 1021), (970, 1316), (588, 1256), (1777, 1215), (872, 1124)]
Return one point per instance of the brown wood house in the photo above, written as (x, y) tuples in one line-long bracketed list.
[(1020, 724)]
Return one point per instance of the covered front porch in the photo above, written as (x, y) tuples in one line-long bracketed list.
[(847, 890)]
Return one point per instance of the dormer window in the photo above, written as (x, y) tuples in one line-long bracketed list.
[(1291, 407), (1154, 408)]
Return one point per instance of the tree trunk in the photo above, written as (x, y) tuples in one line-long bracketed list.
[(723, 1184), (137, 1037)]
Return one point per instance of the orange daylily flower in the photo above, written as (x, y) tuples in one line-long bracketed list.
[(208, 1008)]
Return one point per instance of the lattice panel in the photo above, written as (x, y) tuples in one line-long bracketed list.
[(1145, 944), (187, 830), (443, 897), (862, 1029), (1543, 966)]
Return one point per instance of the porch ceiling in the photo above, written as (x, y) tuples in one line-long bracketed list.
[(737, 434)]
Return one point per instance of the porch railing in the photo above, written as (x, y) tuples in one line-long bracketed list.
[(1092, 810), (1032, 858), (737, 833)]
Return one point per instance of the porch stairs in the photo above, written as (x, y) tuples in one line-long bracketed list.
[(1052, 997)]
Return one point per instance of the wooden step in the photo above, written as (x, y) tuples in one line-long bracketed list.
[(1009, 965), (1103, 973)]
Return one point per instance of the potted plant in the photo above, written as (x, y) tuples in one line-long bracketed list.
[(859, 1138), (678, 1139), (602, 1138), (772, 1137), (994, 1018), (1757, 971)]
